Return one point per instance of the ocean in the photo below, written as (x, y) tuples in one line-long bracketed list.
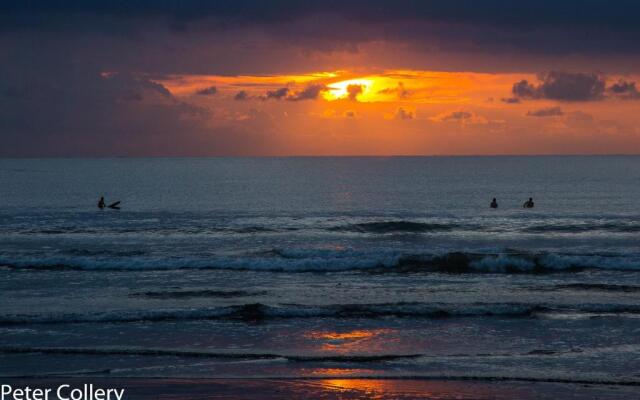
[(322, 268)]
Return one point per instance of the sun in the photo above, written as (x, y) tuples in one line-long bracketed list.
[(340, 90)]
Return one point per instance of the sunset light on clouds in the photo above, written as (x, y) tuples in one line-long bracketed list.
[(416, 112), (289, 79)]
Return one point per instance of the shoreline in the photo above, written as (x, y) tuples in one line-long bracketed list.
[(102, 375), (338, 388)]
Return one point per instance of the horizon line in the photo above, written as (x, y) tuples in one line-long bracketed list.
[(322, 156)]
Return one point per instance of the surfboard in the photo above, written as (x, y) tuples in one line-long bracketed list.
[(115, 205)]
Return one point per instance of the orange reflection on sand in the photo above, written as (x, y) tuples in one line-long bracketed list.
[(356, 334), (359, 340), (374, 389), (407, 389)]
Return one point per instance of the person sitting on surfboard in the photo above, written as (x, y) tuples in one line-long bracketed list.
[(528, 203), (494, 203), (102, 204)]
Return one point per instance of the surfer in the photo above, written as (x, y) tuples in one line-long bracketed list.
[(528, 203), (102, 204), (494, 203)]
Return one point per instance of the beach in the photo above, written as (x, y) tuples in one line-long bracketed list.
[(336, 388)]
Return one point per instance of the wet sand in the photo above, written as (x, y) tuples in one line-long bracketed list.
[(338, 388)]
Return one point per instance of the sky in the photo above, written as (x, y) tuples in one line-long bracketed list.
[(277, 78)]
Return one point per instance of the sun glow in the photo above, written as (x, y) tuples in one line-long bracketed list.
[(408, 87), (351, 89)]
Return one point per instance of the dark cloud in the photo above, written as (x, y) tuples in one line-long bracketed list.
[(540, 26), (546, 112), (74, 110), (456, 116), (133, 96), (500, 12), (311, 92), (562, 86), (567, 86), (353, 91), (241, 96), (54, 100), (399, 90), (624, 90), (277, 94), (510, 100), (462, 117), (403, 114), (571, 86), (523, 89), (211, 90)]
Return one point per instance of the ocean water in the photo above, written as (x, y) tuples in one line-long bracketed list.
[(322, 267)]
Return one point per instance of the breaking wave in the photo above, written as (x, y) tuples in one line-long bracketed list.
[(381, 261), (189, 294), (256, 312), (203, 354), (583, 227), (234, 355), (599, 287), (195, 225)]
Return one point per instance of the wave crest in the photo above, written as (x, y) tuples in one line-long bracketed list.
[(301, 260), (395, 227), (257, 312)]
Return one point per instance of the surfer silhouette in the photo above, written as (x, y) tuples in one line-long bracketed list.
[(494, 203), (528, 203), (102, 204)]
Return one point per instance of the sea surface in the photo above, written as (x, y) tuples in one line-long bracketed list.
[(322, 268)]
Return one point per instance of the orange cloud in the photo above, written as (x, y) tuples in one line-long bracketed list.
[(423, 87), (406, 112)]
